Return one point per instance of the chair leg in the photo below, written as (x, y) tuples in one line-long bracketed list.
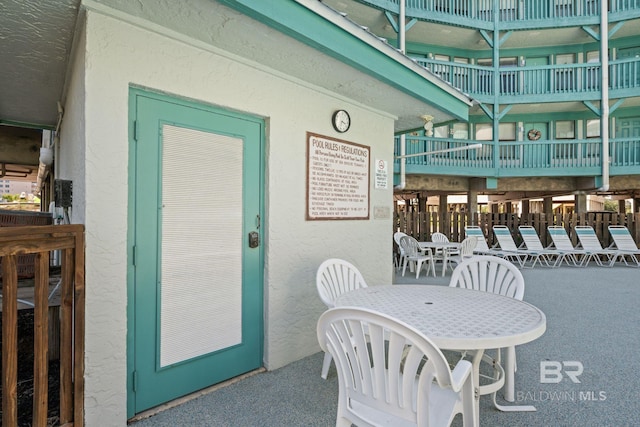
[(326, 363)]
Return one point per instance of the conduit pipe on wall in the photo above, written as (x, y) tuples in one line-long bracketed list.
[(46, 159), (604, 103), (402, 45)]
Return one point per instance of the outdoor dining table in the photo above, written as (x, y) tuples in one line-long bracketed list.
[(445, 247), (459, 319)]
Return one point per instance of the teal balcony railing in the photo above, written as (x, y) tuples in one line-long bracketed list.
[(576, 157), (624, 74), (512, 13), (536, 83)]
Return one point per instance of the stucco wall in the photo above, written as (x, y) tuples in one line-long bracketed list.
[(118, 54)]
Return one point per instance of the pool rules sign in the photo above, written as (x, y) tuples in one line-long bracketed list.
[(337, 179)]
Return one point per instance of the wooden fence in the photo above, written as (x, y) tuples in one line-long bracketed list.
[(40, 241), (422, 225)]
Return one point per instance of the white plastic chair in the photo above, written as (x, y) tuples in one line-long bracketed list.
[(625, 245), (499, 276), (466, 250), (396, 237), (442, 254), (333, 278), (417, 256), (389, 374)]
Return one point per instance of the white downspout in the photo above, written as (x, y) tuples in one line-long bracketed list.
[(604, 103), (46, 158), (403, 142)]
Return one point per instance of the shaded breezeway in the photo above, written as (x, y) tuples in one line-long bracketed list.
[(592, 322)]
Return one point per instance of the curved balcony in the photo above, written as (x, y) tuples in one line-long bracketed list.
[(537, 84), (576, 157), (512, 14)]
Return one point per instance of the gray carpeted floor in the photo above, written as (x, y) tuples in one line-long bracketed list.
[(592, 320)]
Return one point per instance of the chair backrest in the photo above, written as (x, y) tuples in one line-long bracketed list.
[(530, 238), (378, 360), (588, 239), (475, 231), (467, 246), (397, 235), (505, 239), (439, 237), (490, 274), (410, 246), (560, 238), (622, 238), (335, 277)]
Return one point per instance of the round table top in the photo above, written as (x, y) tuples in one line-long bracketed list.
[(454, 318)]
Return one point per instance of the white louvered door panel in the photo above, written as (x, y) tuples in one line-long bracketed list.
[(201, 247)]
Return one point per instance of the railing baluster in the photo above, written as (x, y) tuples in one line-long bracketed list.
[(41, 240), (9, 341), (41, 340)]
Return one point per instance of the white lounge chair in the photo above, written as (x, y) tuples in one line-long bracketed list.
[(574, 257), (508, 246), (531, 242), (333, 278), (481, 241), (589, 242), (390, 374), (625, 245)]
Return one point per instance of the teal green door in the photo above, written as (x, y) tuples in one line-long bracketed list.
[(627, 153), (195, 276), (537, 82), (631, 76), (536, 154)]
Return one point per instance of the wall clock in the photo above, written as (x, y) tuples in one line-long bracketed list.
[(341, 121)]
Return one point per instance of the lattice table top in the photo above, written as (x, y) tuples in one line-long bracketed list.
[(454, 318)]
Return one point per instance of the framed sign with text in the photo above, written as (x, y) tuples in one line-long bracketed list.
[(337, 179)]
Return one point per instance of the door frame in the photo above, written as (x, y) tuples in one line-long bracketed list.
[(134, 93)]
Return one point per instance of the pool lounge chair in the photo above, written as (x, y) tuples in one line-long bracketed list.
[(628, 251), (531, 241), (573, 257), (589, 242), (483, 249), (508, 245)]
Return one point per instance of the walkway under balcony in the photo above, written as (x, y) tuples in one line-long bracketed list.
[(582, 328)]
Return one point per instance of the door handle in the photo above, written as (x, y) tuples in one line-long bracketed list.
[(254, 239)]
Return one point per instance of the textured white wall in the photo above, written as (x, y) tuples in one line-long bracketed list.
[(119, 54)]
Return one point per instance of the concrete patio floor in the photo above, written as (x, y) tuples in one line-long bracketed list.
[(592, 322)]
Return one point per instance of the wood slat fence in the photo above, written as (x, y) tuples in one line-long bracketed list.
[(40, 241), (422, 225)]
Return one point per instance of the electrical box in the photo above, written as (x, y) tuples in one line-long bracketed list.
[(63, 193)]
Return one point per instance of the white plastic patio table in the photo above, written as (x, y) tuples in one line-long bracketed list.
[(446, 246), (458, 319)]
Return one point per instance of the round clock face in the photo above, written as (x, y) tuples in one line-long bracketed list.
[(341, 121)]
